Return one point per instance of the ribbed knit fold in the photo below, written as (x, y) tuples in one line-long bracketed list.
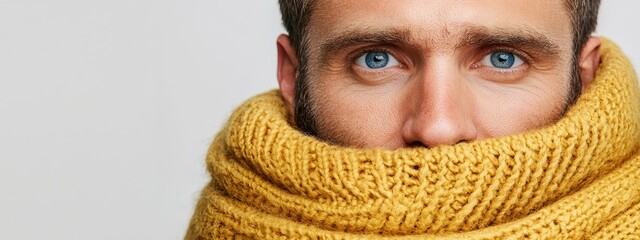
[(572, 179)]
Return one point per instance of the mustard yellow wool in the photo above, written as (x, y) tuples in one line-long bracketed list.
[(576, 179)]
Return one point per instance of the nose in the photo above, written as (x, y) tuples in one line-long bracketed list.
[(442, 109)]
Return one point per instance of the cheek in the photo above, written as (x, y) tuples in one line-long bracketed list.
[(505, 109), (355, 115)]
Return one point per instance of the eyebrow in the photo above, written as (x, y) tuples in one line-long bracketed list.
[(365, 36), (520, 37), (470, 36)]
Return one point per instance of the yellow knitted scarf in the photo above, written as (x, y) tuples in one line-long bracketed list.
[(576, 179)]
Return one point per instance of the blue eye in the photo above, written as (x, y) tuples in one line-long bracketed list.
[(376, 60), (502, 59)]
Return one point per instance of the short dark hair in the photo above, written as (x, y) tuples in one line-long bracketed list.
[(584, 18), (296, 15), (295, 18)]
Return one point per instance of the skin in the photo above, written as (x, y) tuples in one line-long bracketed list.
[(443, 90)]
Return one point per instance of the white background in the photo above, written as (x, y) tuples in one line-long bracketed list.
[(107, 107)]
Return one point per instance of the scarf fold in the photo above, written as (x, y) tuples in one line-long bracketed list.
[(577, 178)]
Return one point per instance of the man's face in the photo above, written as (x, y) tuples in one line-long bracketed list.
[(403, 73)]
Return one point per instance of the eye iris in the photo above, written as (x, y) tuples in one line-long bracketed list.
[(377, 59), (502, 59)]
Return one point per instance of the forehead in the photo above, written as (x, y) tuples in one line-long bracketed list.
[(437, 21)]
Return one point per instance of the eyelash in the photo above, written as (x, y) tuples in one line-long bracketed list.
[(354, 56), (503, 74), (520, 54)]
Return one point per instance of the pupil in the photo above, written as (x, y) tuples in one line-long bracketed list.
[(376, 59), (502, 59)]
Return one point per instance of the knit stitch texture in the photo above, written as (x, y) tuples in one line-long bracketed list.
[(578, 178)]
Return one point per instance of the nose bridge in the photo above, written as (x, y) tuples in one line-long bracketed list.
[(440, 86), (441, 113)]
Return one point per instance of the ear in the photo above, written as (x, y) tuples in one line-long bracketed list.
[(589, 61), (287, 68)]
